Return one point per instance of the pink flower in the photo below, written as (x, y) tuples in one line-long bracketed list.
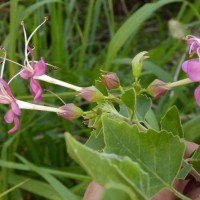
[(39, 69), (194, 44), (192, 69), (32, 68), (6, 97)]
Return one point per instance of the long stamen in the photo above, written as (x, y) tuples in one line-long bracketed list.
[(55, 95), (28, 40), (3, 64), (191, 46), (15, 76), (25, 48), (12, 62), (53, 66)]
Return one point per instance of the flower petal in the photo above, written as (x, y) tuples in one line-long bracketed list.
[(9, 116), (3, 99), (192, 68), (184, 66), (25, 74), (197, 95), (36, 90), (6, 87), (40, 68), (32, 54), (15, 108), (16, 125)]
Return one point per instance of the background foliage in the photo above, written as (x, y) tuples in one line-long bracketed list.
[(82, 37)]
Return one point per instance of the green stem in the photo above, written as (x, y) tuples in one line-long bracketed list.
[(193, 172), (113, 98)]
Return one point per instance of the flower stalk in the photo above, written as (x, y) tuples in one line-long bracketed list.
[(30, 106), (58, 82), (178, 83)]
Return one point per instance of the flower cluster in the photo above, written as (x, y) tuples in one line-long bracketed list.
[(32, 70), (35, 71)]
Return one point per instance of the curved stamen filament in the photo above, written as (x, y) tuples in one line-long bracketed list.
[(25, 48), (15, 76), (191, 46), (53, 66), (28, 40), (3, 64), (12, 62), (18, 64), (55, 95)]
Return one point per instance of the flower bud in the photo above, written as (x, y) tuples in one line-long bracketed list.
[(137, 63), (176, 29), (110, 80), (70, 111), (157, 88), (91, 94)]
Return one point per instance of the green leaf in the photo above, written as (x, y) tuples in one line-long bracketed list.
[(184, 171), (142, 107), (116, 192), (63, 191), (96, 141), (129, 99), (151, 120), (39, 188), (191, 129), (171, 122), (110, 168), (126, 165), (131, 27), (158, 153), (101, 87)]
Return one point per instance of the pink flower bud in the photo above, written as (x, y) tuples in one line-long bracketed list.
[(91, 94), (70, 111), (110, 80), (157, 88)]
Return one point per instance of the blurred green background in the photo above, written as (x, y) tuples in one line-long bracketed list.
[(80, 38)]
